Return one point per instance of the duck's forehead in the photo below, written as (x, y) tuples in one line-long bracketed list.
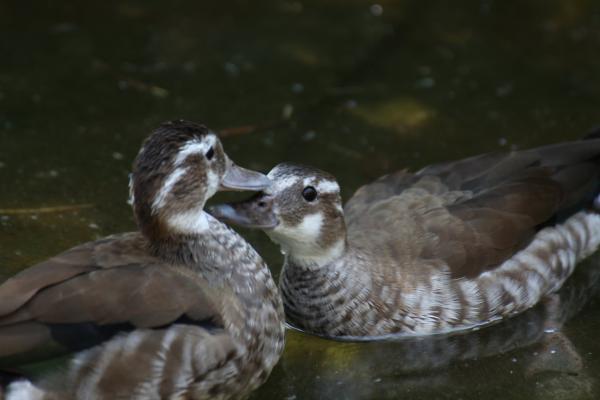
[(281, 182), (286, 178)]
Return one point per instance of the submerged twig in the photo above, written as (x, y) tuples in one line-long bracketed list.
[(144, 87), (43, 210), (237, 130)]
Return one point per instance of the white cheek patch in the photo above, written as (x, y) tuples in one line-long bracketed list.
[(310, 227), (194, 146), (189, 222), (161, 197), (301, 242), (212, 183), (307, 231)]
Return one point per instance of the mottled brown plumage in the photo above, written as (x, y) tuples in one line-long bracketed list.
[(184, 308), (452, 246)]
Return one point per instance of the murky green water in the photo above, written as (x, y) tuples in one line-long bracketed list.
[(355, 88)]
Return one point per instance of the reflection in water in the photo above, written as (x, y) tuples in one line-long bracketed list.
[(471, 76)]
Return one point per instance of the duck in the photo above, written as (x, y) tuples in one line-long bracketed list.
[(454, 246), (182, 308)]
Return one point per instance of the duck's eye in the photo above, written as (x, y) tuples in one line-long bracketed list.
[(210, 153), (309, 193)]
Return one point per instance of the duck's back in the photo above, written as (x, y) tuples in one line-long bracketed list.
[(487, 235), (475, 213)]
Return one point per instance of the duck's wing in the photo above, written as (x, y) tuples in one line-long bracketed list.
[(475, 213), (111, 283)]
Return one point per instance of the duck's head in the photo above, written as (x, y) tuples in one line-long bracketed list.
[(301, 211), (180, 166)]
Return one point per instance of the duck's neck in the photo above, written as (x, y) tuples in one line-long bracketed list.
[(229, 263), (313, 296), (315, 258), (205, 245)]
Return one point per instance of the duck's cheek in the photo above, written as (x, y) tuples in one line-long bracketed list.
[(299, 235), (311, 226), (212, 182)]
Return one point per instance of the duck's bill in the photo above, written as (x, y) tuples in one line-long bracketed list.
[(256, 212), (238, 178)]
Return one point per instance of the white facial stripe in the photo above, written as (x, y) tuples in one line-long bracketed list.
[(328, 187), (171, 180), (131, 198), (189, 222), (281, 184), (194, 146), (324, 186)]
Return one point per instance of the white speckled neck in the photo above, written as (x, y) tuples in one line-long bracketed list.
[(190, 222)]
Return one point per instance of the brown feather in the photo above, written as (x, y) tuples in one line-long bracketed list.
[(109, 281), (475, 213)]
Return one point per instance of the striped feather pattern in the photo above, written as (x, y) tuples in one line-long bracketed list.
[(453, 246), (341, 300)]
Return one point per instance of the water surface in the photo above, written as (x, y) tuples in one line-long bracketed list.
[(353, 87)]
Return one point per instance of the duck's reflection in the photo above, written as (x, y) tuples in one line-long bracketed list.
[(528, 352), (527, 355)]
